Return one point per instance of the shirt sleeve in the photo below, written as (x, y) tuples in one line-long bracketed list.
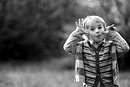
[(121, 45), (73, 41)]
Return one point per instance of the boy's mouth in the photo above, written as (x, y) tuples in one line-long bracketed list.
[(98, 35)]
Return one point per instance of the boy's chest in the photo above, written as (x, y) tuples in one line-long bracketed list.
[(102, 52)]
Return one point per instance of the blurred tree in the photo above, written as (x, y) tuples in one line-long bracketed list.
[(32, 28)]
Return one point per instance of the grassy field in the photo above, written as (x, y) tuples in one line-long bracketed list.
[(55, 73)]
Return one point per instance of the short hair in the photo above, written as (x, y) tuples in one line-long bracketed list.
[(93, 18)]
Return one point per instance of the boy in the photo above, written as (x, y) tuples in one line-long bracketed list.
[(96, 64)]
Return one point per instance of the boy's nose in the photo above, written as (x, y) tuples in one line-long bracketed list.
[(97, 31)]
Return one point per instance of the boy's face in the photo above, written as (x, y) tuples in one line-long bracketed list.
[(95, 30)]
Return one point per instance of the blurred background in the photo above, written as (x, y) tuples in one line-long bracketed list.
[(32, 34)]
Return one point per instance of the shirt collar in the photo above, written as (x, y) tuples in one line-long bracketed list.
[(91, 42)]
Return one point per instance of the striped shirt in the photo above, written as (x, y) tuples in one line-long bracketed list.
[(97, 62)]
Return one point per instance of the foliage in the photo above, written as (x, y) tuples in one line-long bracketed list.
[(32, 28)]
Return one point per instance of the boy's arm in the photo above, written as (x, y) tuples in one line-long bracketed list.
[(121, 45), (72, 41)]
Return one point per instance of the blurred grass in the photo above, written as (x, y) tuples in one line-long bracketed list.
[(54, 73)]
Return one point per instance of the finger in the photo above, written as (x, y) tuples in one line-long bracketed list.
[(112, 25), (76, 23), (109, 26), (79, 22), (114, 28), (82, 19)]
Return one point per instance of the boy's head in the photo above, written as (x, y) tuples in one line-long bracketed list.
[(95, 26)]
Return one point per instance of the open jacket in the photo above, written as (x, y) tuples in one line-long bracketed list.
[(74, 45)]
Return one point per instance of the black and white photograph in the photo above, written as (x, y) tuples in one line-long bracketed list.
[(64, 43)]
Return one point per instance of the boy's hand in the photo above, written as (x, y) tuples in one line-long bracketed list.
[(80, 26), (112, 27), (109, 28)]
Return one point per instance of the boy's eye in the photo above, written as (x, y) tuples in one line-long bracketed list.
[(99, 27), (92, 29)]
